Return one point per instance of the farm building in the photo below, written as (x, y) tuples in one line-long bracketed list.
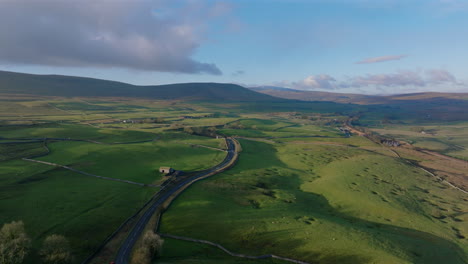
[(166, 170)]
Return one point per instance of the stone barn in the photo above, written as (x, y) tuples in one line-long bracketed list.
[(166, 170)]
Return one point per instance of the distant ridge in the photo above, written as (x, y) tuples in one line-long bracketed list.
[(293, 94), (70, 86), (274, 88)]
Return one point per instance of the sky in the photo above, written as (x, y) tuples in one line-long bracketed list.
[(346, 46)]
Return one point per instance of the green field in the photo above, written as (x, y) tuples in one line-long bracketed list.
[(86, 209), (447, 138), (301, 188), (176, 251), (324, 204)]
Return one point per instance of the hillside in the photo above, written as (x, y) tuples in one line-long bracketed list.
[(69, 86), (313, 95), (357, 98)]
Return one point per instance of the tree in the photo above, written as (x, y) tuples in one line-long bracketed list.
[(148, 248), (159, 120), (56, 250), (14, 243), (189, 130)]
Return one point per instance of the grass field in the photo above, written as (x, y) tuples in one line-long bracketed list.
[(324, 204), (176, 251), (447, 138), (86, 209), (301, 188), (135, 162), (74, 131)]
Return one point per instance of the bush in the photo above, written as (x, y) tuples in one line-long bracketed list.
[(148, 248), (14, 243), (56, 250)]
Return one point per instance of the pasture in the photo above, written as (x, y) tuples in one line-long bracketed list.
[(301, 188), (85, 209), (50, 200), (447, 138), (324, 204)]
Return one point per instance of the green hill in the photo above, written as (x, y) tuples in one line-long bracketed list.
[(58, 85)]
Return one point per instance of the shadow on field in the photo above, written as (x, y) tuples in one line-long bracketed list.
[(414, 245), (417, 246), (258, 207)]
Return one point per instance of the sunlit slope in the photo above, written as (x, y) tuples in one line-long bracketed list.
[(326, 204)]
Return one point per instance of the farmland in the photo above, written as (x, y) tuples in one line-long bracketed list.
[(299, 200), (301, 189), (447, 138), (83, 206)]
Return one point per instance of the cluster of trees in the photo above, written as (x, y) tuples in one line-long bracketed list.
[(239, 125), (146, 120), (235, 125), (148, 248), (153, 120), (15, 246), (203, 131)]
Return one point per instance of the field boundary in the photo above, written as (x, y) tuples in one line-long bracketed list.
[(203, 146), (32, 140), (89, 174), (200, 241), (442, 180), (428, 152)]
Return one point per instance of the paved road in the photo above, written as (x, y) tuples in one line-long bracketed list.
[(125, 250)]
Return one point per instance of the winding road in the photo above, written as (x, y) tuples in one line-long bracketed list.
[(125, 250)]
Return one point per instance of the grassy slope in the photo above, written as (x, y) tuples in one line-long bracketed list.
[(176, 251), (84, 209), (57, 85), (135, 162), (74, 132), (300, 201), (258, 193)]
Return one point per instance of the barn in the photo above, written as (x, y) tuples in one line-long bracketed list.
[(166, 170)]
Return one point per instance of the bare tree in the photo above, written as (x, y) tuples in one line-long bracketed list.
[(56, 250), (14, 243), (148, 248)]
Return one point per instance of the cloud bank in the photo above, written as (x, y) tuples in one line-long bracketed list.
[(321, 81), (406, 78), (381, 59), (150, 35)]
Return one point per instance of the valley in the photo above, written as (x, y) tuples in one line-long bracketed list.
[(301, 188)]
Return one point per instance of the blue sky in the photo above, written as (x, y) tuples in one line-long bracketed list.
[(357, 46)]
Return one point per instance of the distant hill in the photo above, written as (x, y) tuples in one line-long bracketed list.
[(68, 86), (294, 94), (358, 98), (273, 88)]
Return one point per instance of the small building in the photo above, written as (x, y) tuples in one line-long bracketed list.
[(166, 170)]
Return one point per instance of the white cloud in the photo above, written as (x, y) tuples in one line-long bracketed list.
[(322, 81), (401, 78), (407, 79), (381, 59), (150, 35)]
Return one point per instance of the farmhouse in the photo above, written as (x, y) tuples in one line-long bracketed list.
[(166, 170)]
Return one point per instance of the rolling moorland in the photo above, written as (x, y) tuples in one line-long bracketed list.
[(315, 181)]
